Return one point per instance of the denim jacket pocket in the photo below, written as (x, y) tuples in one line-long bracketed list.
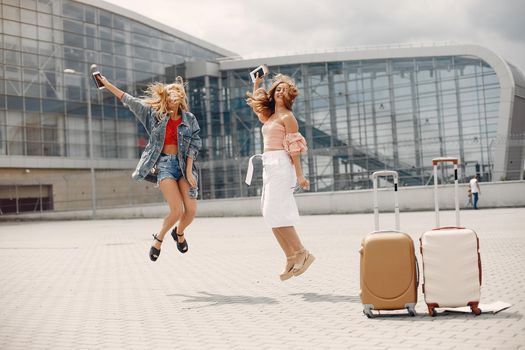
[(186, 141)]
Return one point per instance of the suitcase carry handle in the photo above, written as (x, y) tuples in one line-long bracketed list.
[(375, 176), (435, 163), (448, 228)]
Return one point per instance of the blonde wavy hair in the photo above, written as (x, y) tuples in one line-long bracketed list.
[(158, 95), (263, 102)]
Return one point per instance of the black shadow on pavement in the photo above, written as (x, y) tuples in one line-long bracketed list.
[(330, 298), (217, 299)]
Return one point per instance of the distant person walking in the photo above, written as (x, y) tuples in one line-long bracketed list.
[(476, 191), (283, 145), (172, 148)]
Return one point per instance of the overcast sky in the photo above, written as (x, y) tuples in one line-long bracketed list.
[(266, 27)]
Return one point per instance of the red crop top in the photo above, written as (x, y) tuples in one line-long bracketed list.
[(171, 131)]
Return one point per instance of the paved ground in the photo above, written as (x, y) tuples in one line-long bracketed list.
[(90, 285)]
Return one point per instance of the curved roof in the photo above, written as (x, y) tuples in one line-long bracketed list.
[(157, 25), (494, 60), (519, 80)]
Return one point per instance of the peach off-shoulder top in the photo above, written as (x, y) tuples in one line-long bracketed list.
[(275, 137)]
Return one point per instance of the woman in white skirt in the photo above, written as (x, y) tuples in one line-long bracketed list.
[(283, 145)]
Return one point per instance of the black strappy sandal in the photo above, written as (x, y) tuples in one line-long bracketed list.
[(154, 252), (182, 247)]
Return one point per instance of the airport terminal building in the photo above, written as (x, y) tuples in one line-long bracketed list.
[(361, 109)]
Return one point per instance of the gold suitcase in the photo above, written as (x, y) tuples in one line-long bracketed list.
[(389, 273)]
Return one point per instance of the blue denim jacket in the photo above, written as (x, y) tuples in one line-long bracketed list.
[(188, 139)]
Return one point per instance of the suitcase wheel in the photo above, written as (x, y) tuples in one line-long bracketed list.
[(368, 313), (367, 310), (477, 312), (475, 309), (411, 311), (432, 311)]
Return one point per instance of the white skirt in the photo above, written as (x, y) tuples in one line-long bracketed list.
[(278, 205)]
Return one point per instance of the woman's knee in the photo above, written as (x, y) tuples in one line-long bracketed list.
[(173, 216), (190, 211)]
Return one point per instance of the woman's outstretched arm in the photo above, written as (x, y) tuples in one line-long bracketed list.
[(257, 83), (111, 88), (141, 111), (252, 101)]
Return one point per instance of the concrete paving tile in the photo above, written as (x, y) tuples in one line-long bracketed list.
[(90, 284)]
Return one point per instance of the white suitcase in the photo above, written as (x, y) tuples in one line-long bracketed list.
[(451, 260)]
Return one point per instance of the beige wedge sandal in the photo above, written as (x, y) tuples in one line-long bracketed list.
[(288, 270), (301, 268)]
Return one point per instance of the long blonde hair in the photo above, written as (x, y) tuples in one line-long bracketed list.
[(158, 95), (263, 102)]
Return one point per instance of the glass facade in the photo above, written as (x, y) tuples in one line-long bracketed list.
[(43, 110), (359, 117)]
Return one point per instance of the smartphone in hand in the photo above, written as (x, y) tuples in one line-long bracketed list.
[(260, 71), (96, 76)]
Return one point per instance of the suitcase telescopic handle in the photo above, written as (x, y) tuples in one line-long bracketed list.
[(435, 163), (375, 176)]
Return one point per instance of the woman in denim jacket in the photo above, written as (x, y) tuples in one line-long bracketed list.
[(172, 148)]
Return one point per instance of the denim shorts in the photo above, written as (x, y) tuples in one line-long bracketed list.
[(169, 168)]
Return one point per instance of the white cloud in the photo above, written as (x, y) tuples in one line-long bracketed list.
[(265, 27)]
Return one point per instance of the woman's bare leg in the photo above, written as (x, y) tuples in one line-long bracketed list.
[(287, 249), (171, 193), (190, 208), (291, 238), (303, 258)]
